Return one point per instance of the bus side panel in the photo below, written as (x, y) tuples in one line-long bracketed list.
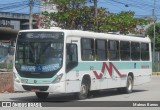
[(73, 86), (142, 76), (74, 80)]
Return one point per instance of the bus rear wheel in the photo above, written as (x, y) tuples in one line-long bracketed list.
[(129, 87), (84, 89), (42, 95)]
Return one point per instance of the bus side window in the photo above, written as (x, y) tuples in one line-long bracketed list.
[(87, 49), (144, 51), (72, 56), (125, 50), (113, 46), (135, 51), (101, 48)]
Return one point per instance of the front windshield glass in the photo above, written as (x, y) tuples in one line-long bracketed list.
[(39, 51)]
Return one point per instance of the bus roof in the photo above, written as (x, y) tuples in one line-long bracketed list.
[(90, 34)]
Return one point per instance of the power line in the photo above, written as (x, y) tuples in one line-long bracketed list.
[(11, 3), (132, 5), (24, 7), (120, 4), (11, 6)]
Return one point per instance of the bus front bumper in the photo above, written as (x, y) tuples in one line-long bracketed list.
[(52, 88)]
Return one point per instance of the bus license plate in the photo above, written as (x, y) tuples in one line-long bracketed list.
[(35, 90)]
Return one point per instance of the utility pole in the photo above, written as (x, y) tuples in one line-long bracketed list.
[(30, 13), (154, 33), (96, 13)]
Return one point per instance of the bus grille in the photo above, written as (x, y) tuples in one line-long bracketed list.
[(41, 88)]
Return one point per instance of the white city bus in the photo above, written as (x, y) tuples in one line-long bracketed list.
[(74, 61)]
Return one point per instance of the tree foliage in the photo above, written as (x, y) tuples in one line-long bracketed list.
[(124, 22), (75, 14), (150, 32), (42, 21)]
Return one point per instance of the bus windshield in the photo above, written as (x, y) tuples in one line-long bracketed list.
[(39, 51)]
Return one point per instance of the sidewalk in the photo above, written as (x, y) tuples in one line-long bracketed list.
[(155, 73)]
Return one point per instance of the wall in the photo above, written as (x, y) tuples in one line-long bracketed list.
[(16, 24), (6, 82)]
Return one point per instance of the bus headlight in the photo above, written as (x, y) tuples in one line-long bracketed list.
[(16, 79), (57, 79)]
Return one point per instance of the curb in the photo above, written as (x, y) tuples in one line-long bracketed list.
[(155, 73)]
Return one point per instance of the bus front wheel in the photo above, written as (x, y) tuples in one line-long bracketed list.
[(42, 95), (83, 90)]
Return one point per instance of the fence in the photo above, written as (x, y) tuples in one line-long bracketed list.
[(6, 65), (3, 51), (6, 58), (156, 63)]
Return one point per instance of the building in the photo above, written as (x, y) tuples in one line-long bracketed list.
[(10, 24), (50, 8), (47, 6)]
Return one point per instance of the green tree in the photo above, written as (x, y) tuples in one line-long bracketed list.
[(124, 22), (150, 32), (75, 14)]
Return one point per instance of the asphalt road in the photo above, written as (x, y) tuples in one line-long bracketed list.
[(145, 92)]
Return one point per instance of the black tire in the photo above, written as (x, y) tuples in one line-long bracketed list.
[(129, 86), (83, 94), (94, 92), (120, 90), (42, 95)]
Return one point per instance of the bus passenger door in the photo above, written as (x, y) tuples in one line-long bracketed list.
[(72, 82)]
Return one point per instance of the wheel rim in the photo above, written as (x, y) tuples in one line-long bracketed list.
[(83, 90), (129, 85)]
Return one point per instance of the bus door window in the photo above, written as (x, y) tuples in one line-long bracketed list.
[(72, 56)]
